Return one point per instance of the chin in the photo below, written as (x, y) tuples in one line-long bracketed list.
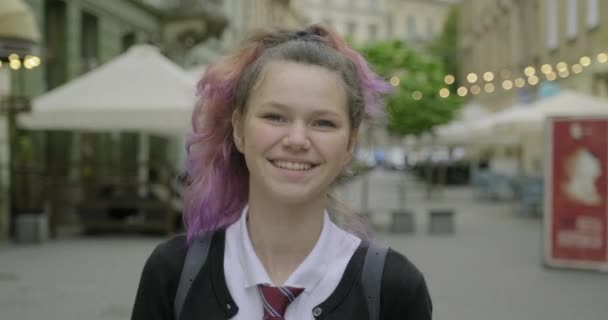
[(296, 196)]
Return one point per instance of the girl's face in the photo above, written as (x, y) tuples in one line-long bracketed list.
[(295, 134)]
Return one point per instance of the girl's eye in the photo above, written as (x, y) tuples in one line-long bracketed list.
[(325, 123), (274, 117)]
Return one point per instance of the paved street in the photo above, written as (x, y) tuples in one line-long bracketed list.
[(489, 269)]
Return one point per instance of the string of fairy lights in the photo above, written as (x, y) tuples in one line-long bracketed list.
[(29, 61), (506, 80)]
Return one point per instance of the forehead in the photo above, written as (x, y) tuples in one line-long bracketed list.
[(299, 86)]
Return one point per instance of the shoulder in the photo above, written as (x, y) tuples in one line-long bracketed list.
[(159, 278), (400, 271), (404, 288), (168, 257)]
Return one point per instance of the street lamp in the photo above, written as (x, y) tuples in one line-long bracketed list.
[(19, 52)]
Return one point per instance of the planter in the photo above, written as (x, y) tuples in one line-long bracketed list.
[(32, 228)]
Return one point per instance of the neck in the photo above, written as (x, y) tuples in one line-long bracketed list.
[(283, 234)]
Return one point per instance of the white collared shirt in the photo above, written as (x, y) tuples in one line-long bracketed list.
[(319, 273)]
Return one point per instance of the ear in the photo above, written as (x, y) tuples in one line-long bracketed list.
[(237, 130), (352, 143)]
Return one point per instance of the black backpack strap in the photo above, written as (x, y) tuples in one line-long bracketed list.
[(195, 259), (371, 277)]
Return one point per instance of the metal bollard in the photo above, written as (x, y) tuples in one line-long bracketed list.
[(32, 228), (441, 222)]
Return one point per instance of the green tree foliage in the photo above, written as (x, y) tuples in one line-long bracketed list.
[(445, 46), (416, 106)]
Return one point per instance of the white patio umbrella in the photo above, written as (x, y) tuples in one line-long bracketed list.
[(458, 132), (454, 133), (140, 90), (566, 103), (483, 131)]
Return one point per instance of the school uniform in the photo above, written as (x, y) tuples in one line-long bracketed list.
[(227, 285)]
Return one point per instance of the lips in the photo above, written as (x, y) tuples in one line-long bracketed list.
[(293, 165)]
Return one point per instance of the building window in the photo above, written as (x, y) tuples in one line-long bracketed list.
[(430, 29), (389, 26), (593, 13), (351, 28), (373, 32), (89, 41), (411, 28), (55, 24), (552, 25), (572, 23)]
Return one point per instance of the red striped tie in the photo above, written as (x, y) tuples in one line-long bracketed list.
[(276, 300)]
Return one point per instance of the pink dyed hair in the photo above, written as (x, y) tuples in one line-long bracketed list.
[(217, 176)]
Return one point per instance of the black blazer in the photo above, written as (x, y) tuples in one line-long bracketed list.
[(404, 293)]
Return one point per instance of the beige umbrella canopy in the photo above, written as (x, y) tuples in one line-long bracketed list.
[(140, 90), (566, 103), (18, 29)]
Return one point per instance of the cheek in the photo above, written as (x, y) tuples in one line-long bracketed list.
[(335, 147), (259, 136)]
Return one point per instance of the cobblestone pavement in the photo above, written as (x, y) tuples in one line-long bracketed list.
[(490, 269)]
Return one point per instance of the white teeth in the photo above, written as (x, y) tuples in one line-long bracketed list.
[(292, 165)]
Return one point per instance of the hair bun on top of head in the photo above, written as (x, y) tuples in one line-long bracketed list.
[(312, 33)]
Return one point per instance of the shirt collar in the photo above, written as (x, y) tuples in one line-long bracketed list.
[(307, 275)]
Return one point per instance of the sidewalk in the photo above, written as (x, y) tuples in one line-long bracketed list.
[(490, 269), (72, 279)]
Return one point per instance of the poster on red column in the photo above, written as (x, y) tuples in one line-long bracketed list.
[(576, 192)]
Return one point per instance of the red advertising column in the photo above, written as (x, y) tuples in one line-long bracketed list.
[(576, 192)]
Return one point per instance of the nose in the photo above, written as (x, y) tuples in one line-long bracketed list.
[(297, 137)]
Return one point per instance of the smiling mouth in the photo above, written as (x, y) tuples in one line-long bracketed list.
[(294, 166)]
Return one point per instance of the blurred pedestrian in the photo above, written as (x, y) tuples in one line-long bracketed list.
[(275, 124)]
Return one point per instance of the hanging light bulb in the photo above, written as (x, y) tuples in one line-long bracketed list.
[(533, 80), (577, 68), (546, 68), (602, 58), (475, 90), (520, 82), (462, 91), (507, 84), (449, 79), (551, 76), (35, 61), (417, 95), (15, 64), (394, 81), (444, 93), (489, 87), (472, 77), (488, 76), (585, 61), (529, 71)]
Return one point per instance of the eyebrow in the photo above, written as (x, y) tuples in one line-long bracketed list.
[(317, 112)]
